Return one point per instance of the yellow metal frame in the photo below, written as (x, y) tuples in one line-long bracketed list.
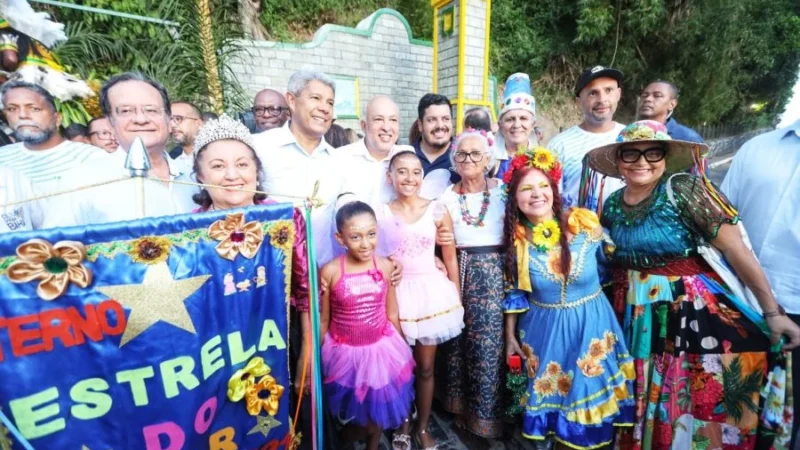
[(460, 102)]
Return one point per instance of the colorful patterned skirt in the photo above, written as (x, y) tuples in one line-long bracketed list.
[(472, 366), (705, 376)]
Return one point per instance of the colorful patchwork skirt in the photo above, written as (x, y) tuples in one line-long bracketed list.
[(705, 375)]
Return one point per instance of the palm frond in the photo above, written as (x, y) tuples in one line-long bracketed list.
[(738, 390), (85, 50)]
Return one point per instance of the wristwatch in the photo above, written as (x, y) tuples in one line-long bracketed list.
[(778, 312)]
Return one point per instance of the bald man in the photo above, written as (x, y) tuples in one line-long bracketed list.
[(270, 109), (368, 158)]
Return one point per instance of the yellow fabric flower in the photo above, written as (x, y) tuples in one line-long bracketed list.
[(245, 377), (54, 266), (553, 369), (546, 235), (264, 395), (590, 367), (598, 349), (150, 250), (564, 384), (543, 159), (611, 340), (236, 237), (544, 386)]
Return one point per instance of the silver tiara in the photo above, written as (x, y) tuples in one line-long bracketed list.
[(222, 129)]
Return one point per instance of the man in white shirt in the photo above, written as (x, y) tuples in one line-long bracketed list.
[(597, 93), (764, 184), (185, 123), (296, 156), (41, 153), (137, 107), (367, 160), (17, 216)]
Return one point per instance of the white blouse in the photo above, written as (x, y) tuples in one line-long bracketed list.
[(491, 233)]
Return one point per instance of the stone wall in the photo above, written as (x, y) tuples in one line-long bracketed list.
[(380, 52)]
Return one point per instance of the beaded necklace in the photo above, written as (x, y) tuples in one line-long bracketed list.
[(468, 218)]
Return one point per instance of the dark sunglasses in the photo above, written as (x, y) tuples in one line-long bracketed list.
[(652, 154)]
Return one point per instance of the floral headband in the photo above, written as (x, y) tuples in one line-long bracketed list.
[(538, 157), (487, 136)]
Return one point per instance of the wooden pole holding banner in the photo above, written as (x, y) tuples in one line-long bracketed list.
[(138, 165)]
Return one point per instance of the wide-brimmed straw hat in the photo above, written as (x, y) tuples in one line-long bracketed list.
[(681, 155)]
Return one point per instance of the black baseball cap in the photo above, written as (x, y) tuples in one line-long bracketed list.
[(594, 73)]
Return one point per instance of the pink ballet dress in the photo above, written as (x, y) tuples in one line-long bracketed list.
[(368, 368), (429, 304)]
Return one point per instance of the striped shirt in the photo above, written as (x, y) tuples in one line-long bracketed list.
[(45, 168), (571, 146)]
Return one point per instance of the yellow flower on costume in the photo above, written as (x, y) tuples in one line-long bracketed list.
[(554, 265), (598, 349), (611, 340), (546, 235), (264, 395), (590, 367), (544, 386), (564, 384), (543, 159), (532, 361), (245, 377), (553, 369)]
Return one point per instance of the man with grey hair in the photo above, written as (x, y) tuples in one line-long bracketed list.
[(137, 107), (41, 154), (296, 155)]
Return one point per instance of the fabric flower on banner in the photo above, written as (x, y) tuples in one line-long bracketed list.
[(150, 250), (55, 266), (245, 377), (281, 236), (236, 236), (264, 395)]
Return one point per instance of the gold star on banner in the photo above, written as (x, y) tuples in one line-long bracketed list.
[(159, 297), (264, 425)]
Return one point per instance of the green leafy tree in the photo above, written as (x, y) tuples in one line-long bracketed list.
[(724, 55), (179, 56)]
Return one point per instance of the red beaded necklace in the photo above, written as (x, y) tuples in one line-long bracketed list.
[(468, 218)]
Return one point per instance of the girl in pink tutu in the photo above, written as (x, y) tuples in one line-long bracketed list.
[(367, 367), (429, 302)]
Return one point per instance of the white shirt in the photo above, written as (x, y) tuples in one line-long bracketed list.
[(571, 146), (491, 233), (290, 173), (367, 175), (45, 168), (764, 184), (19, 217), (184, 162), (116, 201)]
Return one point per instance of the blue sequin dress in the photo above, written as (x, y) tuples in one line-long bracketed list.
[(579, 371)]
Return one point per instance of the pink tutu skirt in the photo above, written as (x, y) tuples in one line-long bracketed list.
[(369, 384), (430, 308)]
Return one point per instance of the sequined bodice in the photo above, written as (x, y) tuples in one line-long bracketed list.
[(582, 283), (358, 307), (647, 235)]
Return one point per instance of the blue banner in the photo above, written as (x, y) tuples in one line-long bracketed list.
[(158, 334)]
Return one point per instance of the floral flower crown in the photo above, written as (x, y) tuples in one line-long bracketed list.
[(488, 136), (538, 157)]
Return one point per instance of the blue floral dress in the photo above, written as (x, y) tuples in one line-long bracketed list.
[(580, 373)]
